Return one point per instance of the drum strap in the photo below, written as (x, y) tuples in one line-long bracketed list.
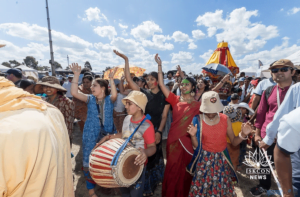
[(120, 150)]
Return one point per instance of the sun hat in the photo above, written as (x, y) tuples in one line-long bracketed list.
[(282, 62), (16, 72), (245, 105), (242, 79), (233, 113), (137, 98), (211, 102), (49, 81)]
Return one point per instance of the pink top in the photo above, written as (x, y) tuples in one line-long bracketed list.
[(267, 109), (214, 137)]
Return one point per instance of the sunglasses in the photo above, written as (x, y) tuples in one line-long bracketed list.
[(284, 69)]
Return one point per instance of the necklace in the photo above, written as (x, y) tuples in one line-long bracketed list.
[(188, 100)]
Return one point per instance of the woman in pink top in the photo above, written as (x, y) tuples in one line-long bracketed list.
[(211, 165)]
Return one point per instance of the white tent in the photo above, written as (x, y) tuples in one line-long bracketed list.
[(28, 71), (295, 58), (3, 68), (250, 72)]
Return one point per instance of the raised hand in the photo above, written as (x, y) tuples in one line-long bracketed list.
[(75, 68), (246, 128), (123, 77), (112, 73), (227, 77), (157, 59), (178, 68), (121, 55), (141, 158), (192, 130)]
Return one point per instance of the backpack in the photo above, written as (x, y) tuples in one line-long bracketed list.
[(268, 92)]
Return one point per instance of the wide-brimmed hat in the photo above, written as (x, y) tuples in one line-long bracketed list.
[(211, 103), (49, 81), (282, 62), (137, 98), (245, 105), (233, 113)]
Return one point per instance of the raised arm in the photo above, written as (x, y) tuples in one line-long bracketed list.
[(74, 87), (245, 130), (221, 83), (130, 82), (121, 87), (162, 86), (180, 71), (113, 88)]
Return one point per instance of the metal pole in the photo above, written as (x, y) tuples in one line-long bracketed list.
[(68, 60), (50, 41)]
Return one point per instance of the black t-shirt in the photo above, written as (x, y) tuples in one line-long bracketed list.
[(155, 106)]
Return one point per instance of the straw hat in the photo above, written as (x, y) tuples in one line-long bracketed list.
[(211, 103), (233, 113), (138, 98), (49, 81)]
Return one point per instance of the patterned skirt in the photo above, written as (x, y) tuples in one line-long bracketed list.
[(212, 176)]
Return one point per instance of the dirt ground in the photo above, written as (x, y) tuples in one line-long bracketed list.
[(242, 189)]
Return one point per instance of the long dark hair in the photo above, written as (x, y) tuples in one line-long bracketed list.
[(103, 83), (88, 77), (155, 75), (193, 82), (206, 88)]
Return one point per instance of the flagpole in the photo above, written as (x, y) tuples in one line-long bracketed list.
[(50, 41)]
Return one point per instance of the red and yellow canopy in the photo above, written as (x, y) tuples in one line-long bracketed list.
[(222, 56)]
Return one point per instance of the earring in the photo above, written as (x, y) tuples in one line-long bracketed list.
[(192, 93)]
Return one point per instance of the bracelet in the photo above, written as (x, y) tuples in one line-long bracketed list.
[(158, 132), (240, 135)]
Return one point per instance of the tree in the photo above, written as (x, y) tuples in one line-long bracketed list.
[(6, 64), (88, 65), (30, 61), (57, 65), (107, 68), (16, 63)]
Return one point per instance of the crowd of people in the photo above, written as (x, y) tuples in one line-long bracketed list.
[(208, 125)]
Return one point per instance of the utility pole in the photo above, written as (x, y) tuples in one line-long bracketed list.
[(50, 41), (68, 60)]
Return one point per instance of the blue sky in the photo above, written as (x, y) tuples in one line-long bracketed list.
[(182, 32)]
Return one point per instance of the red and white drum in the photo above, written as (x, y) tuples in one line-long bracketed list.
[(124, 174)]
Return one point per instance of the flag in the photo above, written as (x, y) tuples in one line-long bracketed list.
[(260, 64)]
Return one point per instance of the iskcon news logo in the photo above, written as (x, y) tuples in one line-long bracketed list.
[(257, 160)]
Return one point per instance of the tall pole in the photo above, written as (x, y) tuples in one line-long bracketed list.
[(68, 60), (50, 41)]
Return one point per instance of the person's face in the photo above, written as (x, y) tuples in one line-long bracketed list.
[(9, 77), (30, 89), (170, 75), (235, 101), (170, 86), (282, 76), (244, 111), (185, 87), (247, 82), (298, 77), (201, 84), (240, 93), (241, 83), (86, 84), (47, 74), (70, 79), (151, 82), (97, 90), (132, 108), (211, 115), (179, 79), (49, 91), (140, 83)]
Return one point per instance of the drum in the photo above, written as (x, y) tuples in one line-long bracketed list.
[(124, 174)]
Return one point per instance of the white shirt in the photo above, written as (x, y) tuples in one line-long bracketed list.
[(166, 81), (263, 85), (245, 92), (118, 105), (67, 86)]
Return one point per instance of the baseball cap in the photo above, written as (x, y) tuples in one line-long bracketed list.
[(282, 62), (138, 98), (15, 72), (25, 83)]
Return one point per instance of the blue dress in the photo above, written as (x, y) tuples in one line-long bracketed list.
[(93, 131)]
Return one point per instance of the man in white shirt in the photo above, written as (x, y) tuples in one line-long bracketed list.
[(169, 78), (67, 85)]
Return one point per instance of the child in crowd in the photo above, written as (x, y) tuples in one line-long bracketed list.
[(56, 96), (235, 118), (144, 138), (234, 99)]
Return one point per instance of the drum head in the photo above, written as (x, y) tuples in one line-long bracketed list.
[(127, 173)]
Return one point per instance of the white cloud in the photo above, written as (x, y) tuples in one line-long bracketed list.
[(94, 14), (158, 43), (40, 34), (123, 26), (242, 35), (294, 10), (268, 56), (182, 58), (178, 36), (106, 31), (281, 9), (198, 34), (192, 46), (145, 30), (205, 56)]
